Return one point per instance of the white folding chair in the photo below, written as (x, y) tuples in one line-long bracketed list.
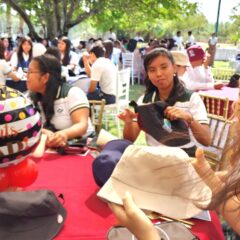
[(122, 99), (128, 62), (96, 113)]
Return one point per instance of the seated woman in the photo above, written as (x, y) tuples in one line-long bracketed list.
[(64, 109), (23, 56), (69, 58), (162, 84), (5, 68)]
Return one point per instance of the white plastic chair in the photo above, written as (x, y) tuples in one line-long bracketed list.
[(128, 62), (122, 99)]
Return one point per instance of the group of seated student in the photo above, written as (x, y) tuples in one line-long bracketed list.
[(65, 112), (18, 60), (193, 69)]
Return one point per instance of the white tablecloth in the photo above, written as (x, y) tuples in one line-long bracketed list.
[(235, 64), (225, 54)]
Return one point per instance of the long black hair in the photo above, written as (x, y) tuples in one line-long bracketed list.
[(48, 64), (178, 88), (66, 57), (20, 49)]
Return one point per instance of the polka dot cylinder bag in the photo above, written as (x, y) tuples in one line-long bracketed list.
[(20, 127)]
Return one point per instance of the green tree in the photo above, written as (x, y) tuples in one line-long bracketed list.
[(56, 17), (234, 29)]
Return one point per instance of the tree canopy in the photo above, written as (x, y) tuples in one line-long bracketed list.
[(57, 17)]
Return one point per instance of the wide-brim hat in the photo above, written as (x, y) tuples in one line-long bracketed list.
[(161, 179), (37, 215), (181, 58)]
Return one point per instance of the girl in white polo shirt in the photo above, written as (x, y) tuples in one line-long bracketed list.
[(64, 109)]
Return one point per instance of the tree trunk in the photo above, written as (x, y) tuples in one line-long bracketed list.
[(25, 17), (9, 21)]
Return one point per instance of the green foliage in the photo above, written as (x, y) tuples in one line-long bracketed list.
[(151, 18), (57, 17), (234, 28), (141, 16)]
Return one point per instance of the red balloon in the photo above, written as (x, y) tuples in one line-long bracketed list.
[(23, 174), (4, 181)]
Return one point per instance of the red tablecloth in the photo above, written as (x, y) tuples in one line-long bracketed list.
[(231, 93), (88, 217)]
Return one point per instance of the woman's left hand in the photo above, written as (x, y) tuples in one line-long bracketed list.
[(215, 180), (173, 113), (57, 139)]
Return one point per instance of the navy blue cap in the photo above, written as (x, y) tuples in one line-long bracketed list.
[(105, 162)]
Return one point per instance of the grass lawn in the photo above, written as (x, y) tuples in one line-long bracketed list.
[(221, 64), (136, 91)]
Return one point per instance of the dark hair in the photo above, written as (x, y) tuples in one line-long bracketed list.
[(232, 181), (66, 57), (108, 44), (132, 44), (81, 63), (178, 88), (20, 49), (234, 81), (98, 50), (83, 43), (48, 64), (2, 49), (178, 33), (53, 50), (54, 42)]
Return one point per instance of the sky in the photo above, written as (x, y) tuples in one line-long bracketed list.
[(210, 7)]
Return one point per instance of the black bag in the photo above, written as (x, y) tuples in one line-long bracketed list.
[(151, 120)]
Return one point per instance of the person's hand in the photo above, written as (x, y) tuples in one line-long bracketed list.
[(47, 132), (57, 139), (133, 218), (207, 60), (215, 180), (173, 113), (85, 56), (218, 86), (127, 115)]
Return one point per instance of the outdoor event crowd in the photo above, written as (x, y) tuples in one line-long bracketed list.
[(60, 79), (193, 62)]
